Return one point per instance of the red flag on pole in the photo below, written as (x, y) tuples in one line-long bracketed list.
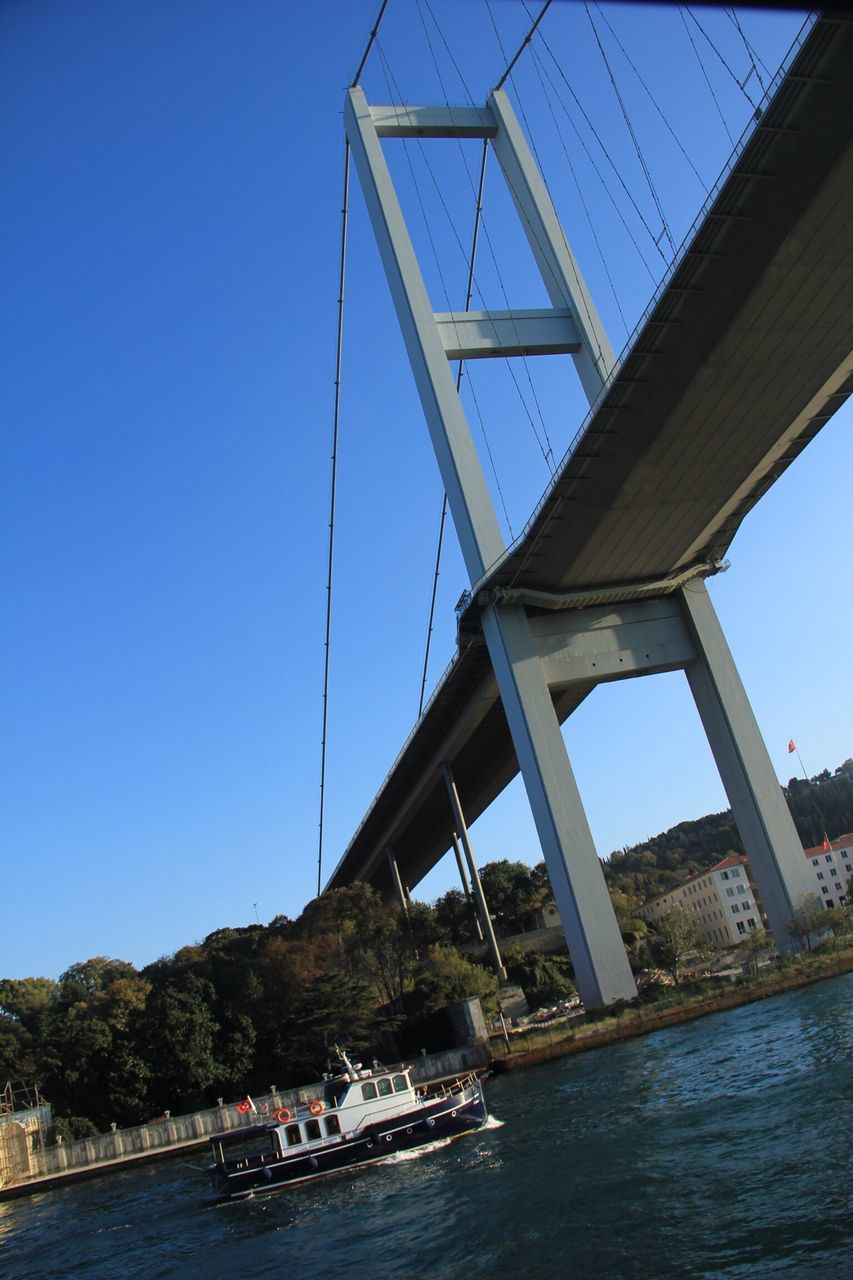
[(826, 845), (792, 746)]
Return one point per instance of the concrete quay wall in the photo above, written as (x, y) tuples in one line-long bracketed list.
[(169, 1135)]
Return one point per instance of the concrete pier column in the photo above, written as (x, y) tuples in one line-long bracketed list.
[(601, 966), (398, 883), (485, 918), (766, 828), (466, 887)]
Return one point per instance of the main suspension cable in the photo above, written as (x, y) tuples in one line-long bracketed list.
[(525, 42), (335, 423), (373, 34)]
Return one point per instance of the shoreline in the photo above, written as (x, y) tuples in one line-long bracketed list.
[(526, 1050), (629, 1022)]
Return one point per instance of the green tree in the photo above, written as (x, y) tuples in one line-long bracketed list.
[(756, 943), (443, 977), (673, 939), (808, 920), (333, 1008), (839, 920), (90, 1028), (181, 1036), (511, 891)]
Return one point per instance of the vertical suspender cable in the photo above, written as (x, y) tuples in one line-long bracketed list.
[(468, 294), (335, 420)]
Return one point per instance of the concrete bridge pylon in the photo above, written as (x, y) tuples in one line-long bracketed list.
[(531, 650)]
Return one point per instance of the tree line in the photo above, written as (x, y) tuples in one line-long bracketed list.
[(263, 1004)]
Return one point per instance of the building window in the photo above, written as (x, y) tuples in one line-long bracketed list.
[(741, 888), (741, 927), (368, 1091), (820, 875), (832, 871), (828, 858), (751, 922), (815, 861), (730, 892), (735, 872), (724, 875), (829, 902), (825, 889), (735, 908)]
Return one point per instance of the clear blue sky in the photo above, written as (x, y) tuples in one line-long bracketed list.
[(169, 224)]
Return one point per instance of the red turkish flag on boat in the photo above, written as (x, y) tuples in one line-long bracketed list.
[(792, 746)]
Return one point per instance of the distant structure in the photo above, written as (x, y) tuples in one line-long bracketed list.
[(832, 864), (24, 1118), (722, 902)]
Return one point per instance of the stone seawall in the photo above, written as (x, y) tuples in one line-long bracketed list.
[(546, 1044), (170, 1135)]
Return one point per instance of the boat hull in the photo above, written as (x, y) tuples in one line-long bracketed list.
[(449, 1117)]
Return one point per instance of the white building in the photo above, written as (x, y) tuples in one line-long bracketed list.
[(720, 902), (832, 867)]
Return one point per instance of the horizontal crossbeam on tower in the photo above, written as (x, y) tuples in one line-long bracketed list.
[(433, 122), (472, 335)]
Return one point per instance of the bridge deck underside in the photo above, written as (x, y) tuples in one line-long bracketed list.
[(745, 355)]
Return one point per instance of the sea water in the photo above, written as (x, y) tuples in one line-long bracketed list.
[(718, 1150)]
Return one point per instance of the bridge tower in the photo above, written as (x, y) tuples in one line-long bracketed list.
[(530, 652)]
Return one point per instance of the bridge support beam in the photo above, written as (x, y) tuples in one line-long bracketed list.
[(466, 888), (595, 944), (766, 828), (485, 918), (398, 883)]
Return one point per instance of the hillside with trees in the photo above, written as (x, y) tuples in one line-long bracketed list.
[(263, 1004)]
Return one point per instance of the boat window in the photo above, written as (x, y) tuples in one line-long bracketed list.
[(385, 1087), (294, 1135), (312, 1130), (400, 1083), (368, 1091), (333, 1125)]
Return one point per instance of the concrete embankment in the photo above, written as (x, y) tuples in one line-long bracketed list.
[(559, 1040), (178, 1135)]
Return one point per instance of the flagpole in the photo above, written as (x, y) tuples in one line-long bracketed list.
[(792, 746)]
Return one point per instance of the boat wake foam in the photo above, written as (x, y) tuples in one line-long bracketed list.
[(492, 1122), (400, 1157)]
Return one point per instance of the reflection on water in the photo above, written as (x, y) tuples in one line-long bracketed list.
[(712, 1151)]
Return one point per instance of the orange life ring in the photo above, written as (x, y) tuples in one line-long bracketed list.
[(282, 1115), (316, 1108)]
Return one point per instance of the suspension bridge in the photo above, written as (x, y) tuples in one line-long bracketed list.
[(742, 355)]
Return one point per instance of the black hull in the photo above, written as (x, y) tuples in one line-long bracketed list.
[(446, 1118)]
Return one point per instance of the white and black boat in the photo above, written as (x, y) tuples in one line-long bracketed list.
[(364, 1116)]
